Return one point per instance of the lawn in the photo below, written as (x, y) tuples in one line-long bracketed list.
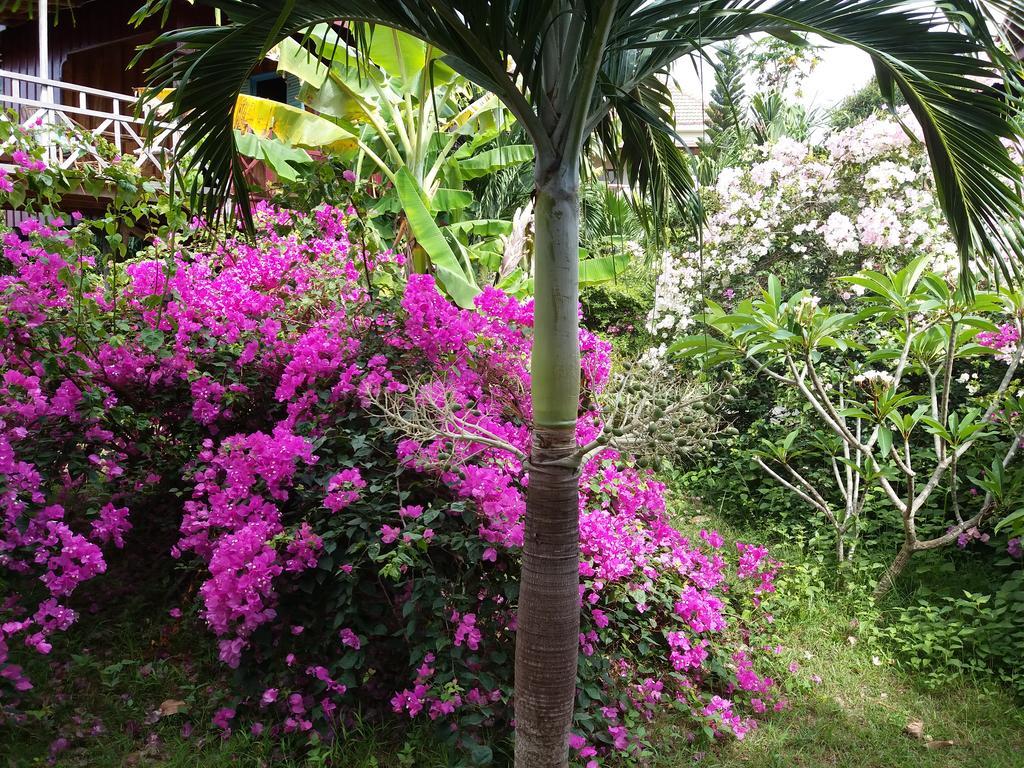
[(865, 708), (855, 717)]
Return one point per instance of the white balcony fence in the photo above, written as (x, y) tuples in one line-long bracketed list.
[(102, 114)]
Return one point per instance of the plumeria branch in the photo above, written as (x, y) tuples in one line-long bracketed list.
[(425, 416), (960, 450), (807, 493)]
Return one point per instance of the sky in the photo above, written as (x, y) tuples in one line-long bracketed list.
[(842, 71)]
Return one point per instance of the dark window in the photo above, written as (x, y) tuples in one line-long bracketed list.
[(271, 86)]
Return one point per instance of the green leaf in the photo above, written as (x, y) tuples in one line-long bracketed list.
[(481, 227), (493, 160), (447, 266), (289, 124), (403, 56), (152, 338), (885, 440), (279, 157), (303, 64), (787, 444), (481, 754), (1014, 519), (445, 199), (602, 269)]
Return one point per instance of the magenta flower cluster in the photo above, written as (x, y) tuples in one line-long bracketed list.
[(246, 357), (43, 536), (1004, 339)]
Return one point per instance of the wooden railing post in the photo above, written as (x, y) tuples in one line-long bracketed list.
[(117, 125)]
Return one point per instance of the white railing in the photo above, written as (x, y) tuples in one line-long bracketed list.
[(101, 114)]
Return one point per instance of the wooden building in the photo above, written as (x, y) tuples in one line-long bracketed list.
[(70, 62), (83, 42)]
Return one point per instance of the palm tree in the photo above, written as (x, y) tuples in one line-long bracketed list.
[(576, 71)]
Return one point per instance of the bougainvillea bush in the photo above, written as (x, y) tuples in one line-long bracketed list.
[(339, 563)]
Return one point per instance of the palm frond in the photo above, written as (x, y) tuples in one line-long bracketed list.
[(537, 56), (637, 136), (944, 63), (606, 214)]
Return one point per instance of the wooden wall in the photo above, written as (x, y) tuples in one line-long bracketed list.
[(91, 45)]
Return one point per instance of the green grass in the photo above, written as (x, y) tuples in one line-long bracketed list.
[(855, 718)]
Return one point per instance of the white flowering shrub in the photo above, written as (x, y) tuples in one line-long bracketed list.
[(809, 214)]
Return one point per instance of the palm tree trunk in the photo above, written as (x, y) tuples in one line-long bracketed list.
[(547, 635)]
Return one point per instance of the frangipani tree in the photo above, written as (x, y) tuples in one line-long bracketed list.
[(888, 416), (573, 71)]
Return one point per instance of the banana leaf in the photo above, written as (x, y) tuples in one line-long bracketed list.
[(281, 158), (481, 227), (290, 125), (493, 160), (602, 269), (447, 266)]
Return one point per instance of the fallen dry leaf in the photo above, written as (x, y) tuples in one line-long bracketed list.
[(914, 729), (171, 707), (940, 744)]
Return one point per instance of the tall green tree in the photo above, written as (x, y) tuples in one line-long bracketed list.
[(726, 114), (572, 71)]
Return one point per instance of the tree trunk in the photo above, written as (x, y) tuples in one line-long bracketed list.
[(892, 572), (547, 634)]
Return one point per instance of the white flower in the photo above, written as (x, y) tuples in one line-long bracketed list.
[(840, 234), (872, 379), (788, 152), (879, 227), (872, 195), (872, 138)]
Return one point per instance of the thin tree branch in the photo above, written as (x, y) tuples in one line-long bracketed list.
[(781, 480)]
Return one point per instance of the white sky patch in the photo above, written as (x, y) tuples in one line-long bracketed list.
[(841, 71)]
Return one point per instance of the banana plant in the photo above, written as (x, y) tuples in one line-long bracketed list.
[(398, 111)]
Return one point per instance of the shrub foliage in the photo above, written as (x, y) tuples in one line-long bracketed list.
[(339, 562)]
